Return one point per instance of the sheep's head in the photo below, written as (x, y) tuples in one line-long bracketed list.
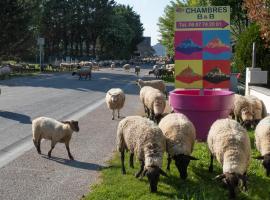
[(153, 174), (73, 124), (182, 162), (247, 117), (138, 82), (266, 162), (114, 97), (231, 181)]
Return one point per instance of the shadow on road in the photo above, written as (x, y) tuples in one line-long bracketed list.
[(24, 119), (76, 163)]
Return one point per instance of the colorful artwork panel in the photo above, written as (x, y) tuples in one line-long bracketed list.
[(216, 74), (216, 45), (188, 45), (188, 74)]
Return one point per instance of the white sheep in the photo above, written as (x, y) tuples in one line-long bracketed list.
[(258, 108), (143, 138), (180, 137), (262, 141), (126, 67), (229, 143), (112, 65), (115, 99), (56, 131), (153, 101), (158, 84), (242, 110)]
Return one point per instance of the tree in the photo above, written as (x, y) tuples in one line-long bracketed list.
[(259, 12), (243, 49), (16, 32), (166, 25), (239, 20), (120, 38)]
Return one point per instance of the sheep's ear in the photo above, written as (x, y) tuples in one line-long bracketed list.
[(258, 157), (162, 172)]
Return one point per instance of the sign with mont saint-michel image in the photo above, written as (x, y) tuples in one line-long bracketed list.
[(202, 47)]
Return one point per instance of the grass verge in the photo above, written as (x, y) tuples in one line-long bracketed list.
[(198, 186)]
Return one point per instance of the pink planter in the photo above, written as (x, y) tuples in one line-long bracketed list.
[(204, 109)]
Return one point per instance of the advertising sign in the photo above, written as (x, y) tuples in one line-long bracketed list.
[(202, 47)]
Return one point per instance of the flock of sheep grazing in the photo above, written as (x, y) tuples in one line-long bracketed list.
[(228, 141), (149, 137)]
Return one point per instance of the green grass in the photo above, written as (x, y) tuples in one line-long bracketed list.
[(168, 79), (198, 186)]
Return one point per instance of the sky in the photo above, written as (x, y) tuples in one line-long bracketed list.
[(150, 11)]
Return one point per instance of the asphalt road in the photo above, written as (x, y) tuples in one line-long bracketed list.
[(27, 175)]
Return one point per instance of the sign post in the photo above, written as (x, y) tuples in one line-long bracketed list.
[(40, 42), (202, 47)]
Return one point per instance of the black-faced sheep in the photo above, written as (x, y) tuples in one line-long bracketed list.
[(115, 99), (84, 71), (56, 131), (229, 143), (154, 102), (180, 137), (143, 138), (262, 141)]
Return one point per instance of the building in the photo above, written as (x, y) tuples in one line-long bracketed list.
[(144, 48), (159, 50)]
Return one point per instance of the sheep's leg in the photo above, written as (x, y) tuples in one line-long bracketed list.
[(131, 163), (37, 145), (118, 114), (145, 110), (68, 150), (141, 170), (113, 114), (52, 147), (123, 162), (245, 182), (211, 163), (169, 162)]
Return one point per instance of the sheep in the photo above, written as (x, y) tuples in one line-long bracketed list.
[(154, 102), (229, 142), (158, 84), (137, 70), (262, 142), (180, 137), (115, 99), (5, 71), (84, 71), (143, 138), (258, 108), (126, 67), (242, 110), (56, 131), (112, 65)]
